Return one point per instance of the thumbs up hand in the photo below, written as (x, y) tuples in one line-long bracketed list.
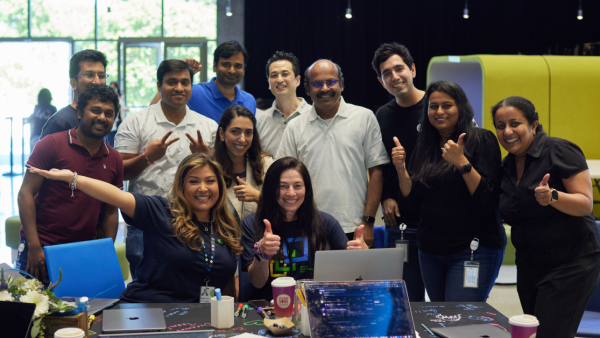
[(270, 243), (453, 152), (398, 155), (359, 242), (245, 192), (543, 193)]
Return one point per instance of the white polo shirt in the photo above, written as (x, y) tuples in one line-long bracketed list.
[(337, 156), (137, 130), (271, 124)]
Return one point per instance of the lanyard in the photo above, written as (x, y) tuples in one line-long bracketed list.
[(402, 227), (208, 258), (474, 246)]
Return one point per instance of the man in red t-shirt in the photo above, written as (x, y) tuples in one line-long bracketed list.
[(51, 211)]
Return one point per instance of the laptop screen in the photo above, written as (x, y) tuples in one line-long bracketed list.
[(359, 309), (16, 318)]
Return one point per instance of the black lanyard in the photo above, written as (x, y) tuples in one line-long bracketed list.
[(208, 258)]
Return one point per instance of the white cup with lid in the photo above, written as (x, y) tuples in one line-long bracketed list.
[(69, 332)]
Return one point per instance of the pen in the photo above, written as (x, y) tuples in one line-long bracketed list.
[(262, 312), (237, 313), (301, 297), (91, 321), (218, 293), (245, 311), (428, 330)]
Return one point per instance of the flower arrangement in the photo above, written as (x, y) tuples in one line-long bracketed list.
[(32, 291)]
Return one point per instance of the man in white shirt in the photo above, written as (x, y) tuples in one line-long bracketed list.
[(338, 142), (150, 158), (283, 74)]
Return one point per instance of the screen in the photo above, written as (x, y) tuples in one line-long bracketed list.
[(359, 309), (16, 318)]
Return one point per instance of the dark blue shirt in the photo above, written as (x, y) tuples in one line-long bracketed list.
[(62, 120), (171, 272), (297, 261), (207, 100)]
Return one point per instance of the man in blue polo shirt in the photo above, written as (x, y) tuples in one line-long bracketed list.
[(211, 98)]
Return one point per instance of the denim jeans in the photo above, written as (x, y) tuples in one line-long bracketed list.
[(443, 274), (134, 248), (412, 269)]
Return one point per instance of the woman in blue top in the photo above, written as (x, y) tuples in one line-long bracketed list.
[(190, 240)]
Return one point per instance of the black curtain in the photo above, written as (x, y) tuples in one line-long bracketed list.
[(318, 29)]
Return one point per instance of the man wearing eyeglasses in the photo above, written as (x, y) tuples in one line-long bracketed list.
[(85, 67), (338, 142)]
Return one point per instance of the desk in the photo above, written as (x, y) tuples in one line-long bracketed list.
[(196, 316)]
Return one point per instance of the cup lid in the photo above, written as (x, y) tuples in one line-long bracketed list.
[(283, 281), (69, 332), (524, 320)]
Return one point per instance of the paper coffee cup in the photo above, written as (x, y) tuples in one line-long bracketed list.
[(283, 296), (69, 332), (523, 326)]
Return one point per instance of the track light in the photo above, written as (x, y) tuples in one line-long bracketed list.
[(466, 10), (580, 12), (349, 11), (228, 8)]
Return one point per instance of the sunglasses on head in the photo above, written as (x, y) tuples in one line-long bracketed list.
[(319, 83)]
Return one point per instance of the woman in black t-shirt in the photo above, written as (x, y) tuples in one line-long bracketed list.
[(455, 173), (547, 199), (282, 237)]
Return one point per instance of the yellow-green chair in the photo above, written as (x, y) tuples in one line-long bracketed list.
[(509, 253), (120, 249), (12, 230)]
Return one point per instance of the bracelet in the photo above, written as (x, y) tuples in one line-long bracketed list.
[(263, 257), (73, 185), (403, 167), (147, 160)]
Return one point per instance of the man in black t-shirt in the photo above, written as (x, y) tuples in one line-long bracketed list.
[(400, 118)]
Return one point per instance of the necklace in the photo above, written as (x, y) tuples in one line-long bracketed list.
[(209, 253)]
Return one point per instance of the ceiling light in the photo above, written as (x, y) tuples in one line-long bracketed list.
[(349, 11), (466, 11), (228, 8)]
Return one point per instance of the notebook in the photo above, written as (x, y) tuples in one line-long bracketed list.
[(133, 320), (471, 331), (357, 265), (16, 318), (359, 309)]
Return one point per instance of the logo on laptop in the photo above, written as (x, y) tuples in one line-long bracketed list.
[(133, 318), (283, 301), (359, 279)]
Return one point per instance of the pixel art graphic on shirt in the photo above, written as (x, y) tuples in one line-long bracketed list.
[(294, 260)]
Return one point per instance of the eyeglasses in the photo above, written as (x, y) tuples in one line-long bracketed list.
[(319, 83), (91, 75)]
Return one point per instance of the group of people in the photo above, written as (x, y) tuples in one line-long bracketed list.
[(275, 186)]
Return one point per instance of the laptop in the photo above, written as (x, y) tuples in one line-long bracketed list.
[(359, 309), (16, 319), (471, 331), (133, 320), (176, 334), (357, 265)]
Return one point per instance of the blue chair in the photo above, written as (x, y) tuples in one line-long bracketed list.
[(379, 236), (590, 323), (89, 268), (244, 284)]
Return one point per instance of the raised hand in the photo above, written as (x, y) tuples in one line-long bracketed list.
[(64, 175), (358, 243), (196, 66), (453, 152), (543, 193), (245, 192), (158, 148), (398, 155), (197, 145), (270, 243)]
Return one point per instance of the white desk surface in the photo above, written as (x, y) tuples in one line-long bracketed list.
[(594, 166)]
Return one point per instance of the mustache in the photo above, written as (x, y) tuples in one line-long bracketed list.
[(321, 94)]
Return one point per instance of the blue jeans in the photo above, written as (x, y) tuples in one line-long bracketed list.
[(134, 248), (443, 274), (412, 268)]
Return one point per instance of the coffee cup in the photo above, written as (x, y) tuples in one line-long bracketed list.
[(523, 326), (283, 296), (69, 332)]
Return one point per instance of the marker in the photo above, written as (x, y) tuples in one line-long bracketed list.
[(218, 293), (262, 313), (245, 311), (91, 321), (301, 297), (237, 313), (428, 330)]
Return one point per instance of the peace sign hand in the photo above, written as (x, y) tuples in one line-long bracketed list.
[(197, 145), (158, 148)]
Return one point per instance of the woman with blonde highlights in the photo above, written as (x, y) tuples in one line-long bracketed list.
[(190, 241)]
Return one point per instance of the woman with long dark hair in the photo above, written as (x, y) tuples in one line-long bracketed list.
[(287, 227), (455, 172), (238, 150), (547, 200)]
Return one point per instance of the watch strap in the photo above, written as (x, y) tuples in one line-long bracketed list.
[(368, 219)]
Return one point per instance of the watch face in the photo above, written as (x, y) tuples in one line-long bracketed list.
[(555, 195), (467, 168)]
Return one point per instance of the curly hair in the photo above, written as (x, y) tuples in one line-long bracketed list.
[(102, 93), (183, 224)]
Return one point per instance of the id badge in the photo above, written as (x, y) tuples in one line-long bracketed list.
[(471, 279), (206, 292), (404, 245)]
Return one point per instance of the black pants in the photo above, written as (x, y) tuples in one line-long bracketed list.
[(558, 296)]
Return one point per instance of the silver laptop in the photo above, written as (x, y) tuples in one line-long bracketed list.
[(471, 331), (359, 309), (357, 265), (175, 334), (133, 320)]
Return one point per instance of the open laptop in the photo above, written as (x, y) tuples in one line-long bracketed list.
[(133, 320), (176, 334), (16, 319), (359, 309), (471, 331), (357, 265)]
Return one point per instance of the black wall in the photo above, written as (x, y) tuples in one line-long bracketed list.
[(314, 29)]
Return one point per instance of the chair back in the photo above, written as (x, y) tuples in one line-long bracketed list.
[(594, 303)]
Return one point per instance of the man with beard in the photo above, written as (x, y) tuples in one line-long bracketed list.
[(338, 142), (56, 213)]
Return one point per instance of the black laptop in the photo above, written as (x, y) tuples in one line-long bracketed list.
[(16, 319)]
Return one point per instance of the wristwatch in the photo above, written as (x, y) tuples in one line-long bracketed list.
[(466, 168), (554, 196), (369, 219)]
